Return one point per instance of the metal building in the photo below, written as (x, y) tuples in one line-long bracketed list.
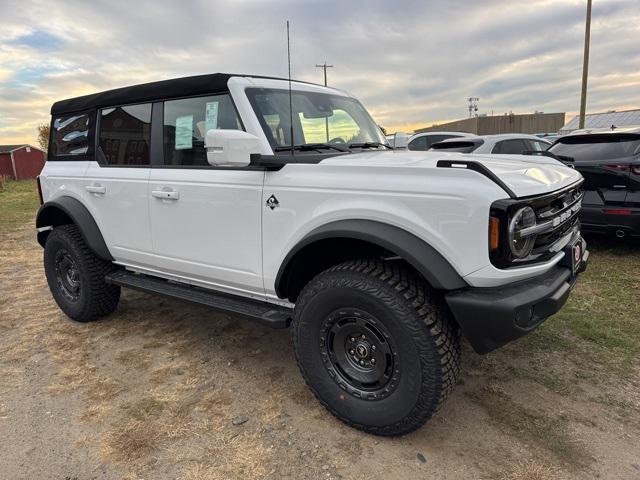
[(510, 123), (626, 118)]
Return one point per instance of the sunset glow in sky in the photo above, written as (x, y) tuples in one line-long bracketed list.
[(410, 63)]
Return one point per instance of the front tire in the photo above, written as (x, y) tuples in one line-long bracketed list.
[(76, 276), (375, 345)]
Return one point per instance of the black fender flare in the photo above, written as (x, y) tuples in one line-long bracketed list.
[(60, 211), (415, 251)]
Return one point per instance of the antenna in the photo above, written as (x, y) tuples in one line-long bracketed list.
[(473, 106), (290, 101)]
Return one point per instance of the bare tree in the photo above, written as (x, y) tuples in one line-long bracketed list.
[(43, 136)]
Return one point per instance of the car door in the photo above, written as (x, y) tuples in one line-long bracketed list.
[(205, 221), (115, 185)]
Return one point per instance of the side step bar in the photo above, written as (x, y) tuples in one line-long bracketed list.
[(270, 315)]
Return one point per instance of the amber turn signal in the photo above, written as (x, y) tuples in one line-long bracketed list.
[(494, 233)]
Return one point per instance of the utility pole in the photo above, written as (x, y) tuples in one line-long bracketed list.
[(585, 66), (324, 66)]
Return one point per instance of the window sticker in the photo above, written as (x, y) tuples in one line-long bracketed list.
[(211, 115), (184, 132)]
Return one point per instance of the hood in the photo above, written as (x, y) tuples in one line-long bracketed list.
[(525, 175)]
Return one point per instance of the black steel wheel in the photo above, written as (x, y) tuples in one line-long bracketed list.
[(359, 354), (76, 276), (375, 345), (67, 275)]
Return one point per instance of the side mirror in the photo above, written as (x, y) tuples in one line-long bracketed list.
[(230, 148), (400, 140)]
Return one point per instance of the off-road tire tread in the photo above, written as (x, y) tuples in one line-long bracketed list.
[(431, 312), (103, 297)]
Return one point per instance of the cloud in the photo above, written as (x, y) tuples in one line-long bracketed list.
[(411, 63)]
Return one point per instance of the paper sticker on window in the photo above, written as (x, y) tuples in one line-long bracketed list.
[(184, 132), (211, 116)]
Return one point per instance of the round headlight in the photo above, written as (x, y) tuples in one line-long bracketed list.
[(521, 246)]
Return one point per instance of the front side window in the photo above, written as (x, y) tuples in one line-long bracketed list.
[(69, 135), (186, 122), (318, 118), (125, 134)]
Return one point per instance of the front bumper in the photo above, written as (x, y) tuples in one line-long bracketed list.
[(492, 317)]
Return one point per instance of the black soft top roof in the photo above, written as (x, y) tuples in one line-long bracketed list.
[(146, 92)]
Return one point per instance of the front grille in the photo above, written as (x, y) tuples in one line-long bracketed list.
[(557, 221), (556, 225)]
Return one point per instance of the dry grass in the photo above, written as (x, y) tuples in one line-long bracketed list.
[(232, 458), (129, 442), (547, 433), (532, 470), (134, 358)]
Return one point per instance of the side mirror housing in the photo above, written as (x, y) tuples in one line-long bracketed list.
[(400, 140), (230, 148)]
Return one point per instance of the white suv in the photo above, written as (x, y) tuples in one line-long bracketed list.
[(379, 259)]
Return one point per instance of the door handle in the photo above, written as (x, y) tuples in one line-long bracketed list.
[(166, 194), (97, 189)]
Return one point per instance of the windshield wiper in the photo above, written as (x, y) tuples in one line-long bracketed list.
[(369, 145), (305, 147)]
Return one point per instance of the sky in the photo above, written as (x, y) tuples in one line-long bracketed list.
[(411, 63)]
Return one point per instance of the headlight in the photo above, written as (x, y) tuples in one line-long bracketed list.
[(521, 246)]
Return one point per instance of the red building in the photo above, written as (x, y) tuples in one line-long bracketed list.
[(21, 161)]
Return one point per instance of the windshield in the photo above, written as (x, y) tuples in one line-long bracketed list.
[(318, 118)]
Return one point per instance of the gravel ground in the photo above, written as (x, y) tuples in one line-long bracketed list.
[(163, 389)]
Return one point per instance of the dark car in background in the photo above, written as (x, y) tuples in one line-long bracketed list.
[(610, 163)]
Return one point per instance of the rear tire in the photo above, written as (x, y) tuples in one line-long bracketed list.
[(76, 276), (375, 345)]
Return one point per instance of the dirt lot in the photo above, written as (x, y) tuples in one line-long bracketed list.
[(160, 388)]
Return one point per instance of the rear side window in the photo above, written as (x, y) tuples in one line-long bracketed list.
[(186, 122), (510, 147), (597, 148), (423, 143), (70, 135), (125, 134), (456, 146)]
